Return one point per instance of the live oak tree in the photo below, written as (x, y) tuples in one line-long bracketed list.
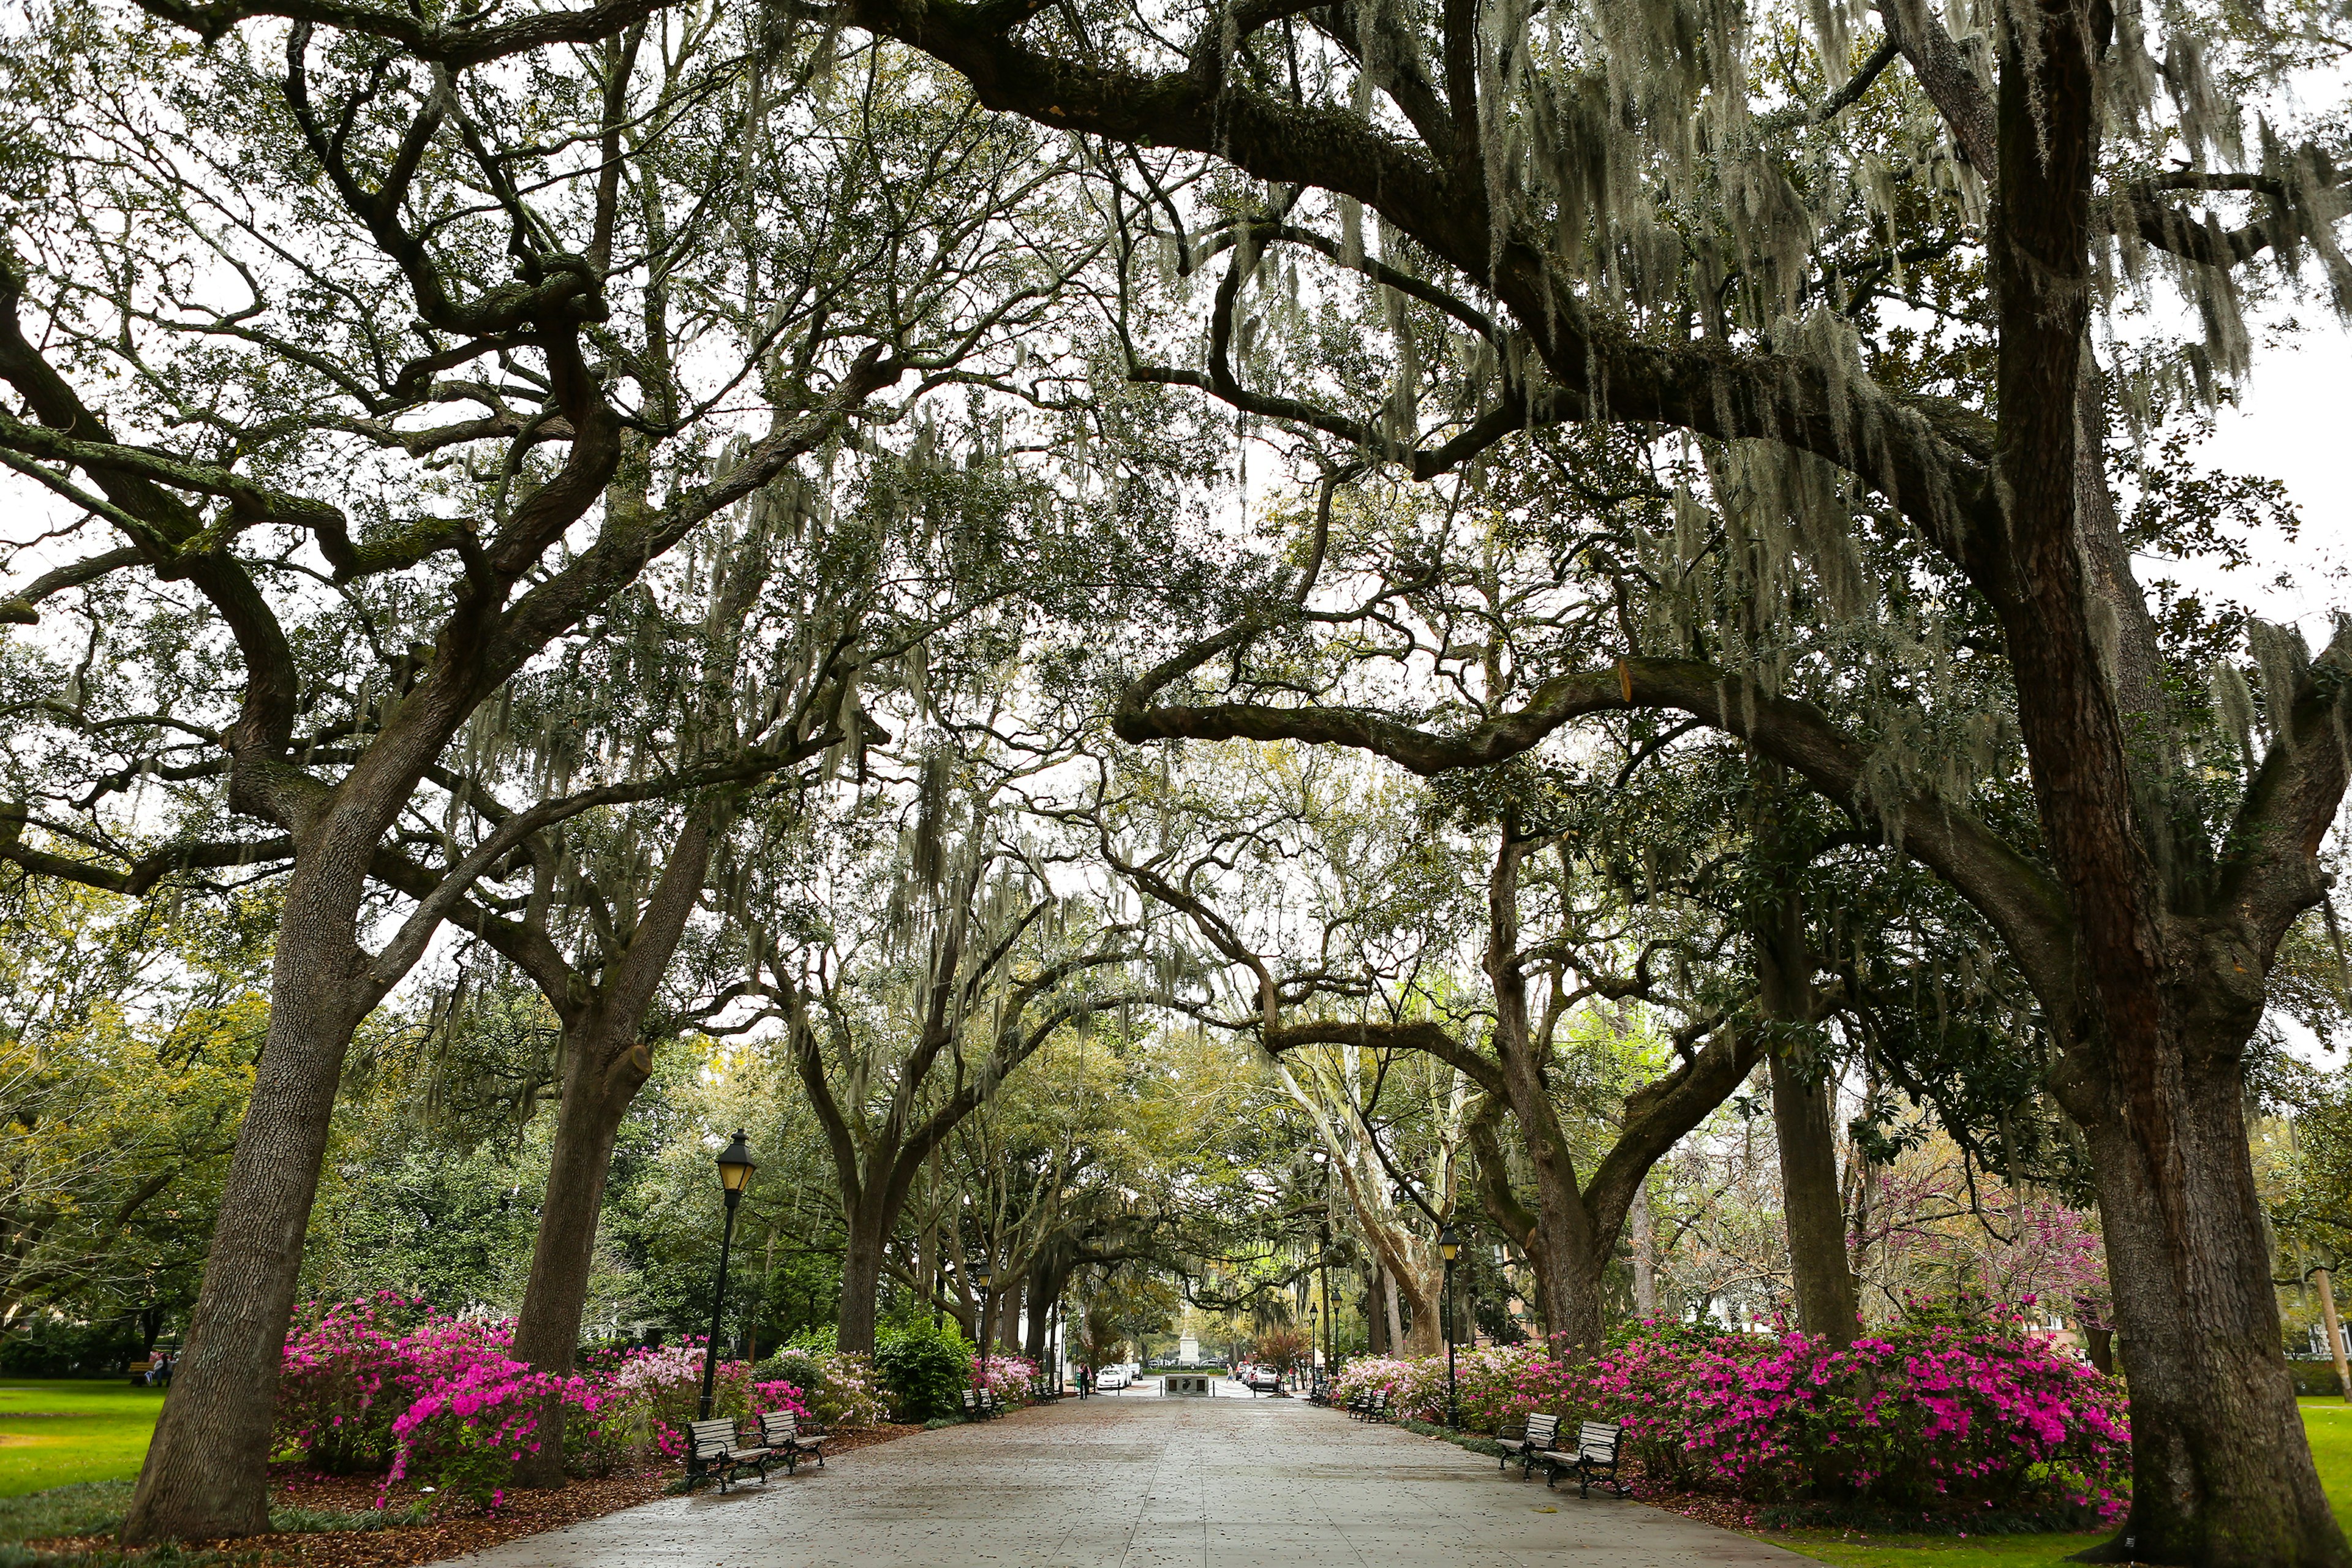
[(915, 967), (706, 674), (1331, 865), (1389, 971), (387, 352), (1621, 221)]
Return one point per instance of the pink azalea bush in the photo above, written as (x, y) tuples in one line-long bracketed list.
[(1013, 1378), (468, 1432), (351, 1368), (1936, 1417), (385, 1382)]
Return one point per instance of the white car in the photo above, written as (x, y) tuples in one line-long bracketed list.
[(1111, 1377)]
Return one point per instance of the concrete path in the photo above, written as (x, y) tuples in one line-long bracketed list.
[(1144, 1482)]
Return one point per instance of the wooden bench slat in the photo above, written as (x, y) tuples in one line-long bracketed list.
[(716, 1448)]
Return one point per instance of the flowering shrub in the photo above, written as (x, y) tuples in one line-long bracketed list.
[(470, 1432), (350, 1369), (842, 1388), (385, 1382), (1415, 1388), (1500, 1383), (1013, 1378), (1929, 1416)]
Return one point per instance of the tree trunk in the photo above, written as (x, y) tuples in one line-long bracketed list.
[(1565, 1250), (605, 1063), (206, 1476), (1645, 1255), (1827, 1302), (861, 1281), (2335, 1332), (1008, 1316), (2099, 1344), (1424, 1332), (1046, 1284), (602, 1076), (2221, 1471), (1804, 1123)]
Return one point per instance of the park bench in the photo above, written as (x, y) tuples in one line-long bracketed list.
[(714, 1450), (140, 1369), (779, 1431), (981, 1404), (1594, 1460), (1374, 1408), (1540, 1436)]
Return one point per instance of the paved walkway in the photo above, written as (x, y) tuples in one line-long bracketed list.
[(1144, 1482)]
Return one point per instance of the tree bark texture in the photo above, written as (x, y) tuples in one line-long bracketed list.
[(861, 1283), (1827, 1302), (1643, 1221), (1804, 1125), (606, 1061), (205, 1473), (2221, 1472)]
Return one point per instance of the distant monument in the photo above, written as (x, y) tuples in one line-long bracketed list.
[(1187, 1351)]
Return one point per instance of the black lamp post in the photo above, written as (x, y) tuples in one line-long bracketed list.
[(1449, 1247), (1323, 1260), (1315, 1372), (735, 1170), (981, 1274)]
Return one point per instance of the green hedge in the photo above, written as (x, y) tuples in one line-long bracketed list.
[(924, 1369), (2314, 1377)]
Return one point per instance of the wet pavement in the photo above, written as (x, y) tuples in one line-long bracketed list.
[(1142, 1481)]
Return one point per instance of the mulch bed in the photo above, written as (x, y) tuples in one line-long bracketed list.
[(463, 1528)]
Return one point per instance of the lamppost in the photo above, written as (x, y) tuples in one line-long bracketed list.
[(981, 1274), (735, 1170), (1449, 1247), (1315, 1372), (1323, 1258)]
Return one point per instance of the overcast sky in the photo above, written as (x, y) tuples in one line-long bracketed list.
[(2294, 424)]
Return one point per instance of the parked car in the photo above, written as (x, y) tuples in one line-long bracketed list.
[(1263, 1380), (1112, 1377)]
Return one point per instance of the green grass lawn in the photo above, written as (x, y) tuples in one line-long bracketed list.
[(54, 1432), (2328, 1421)]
